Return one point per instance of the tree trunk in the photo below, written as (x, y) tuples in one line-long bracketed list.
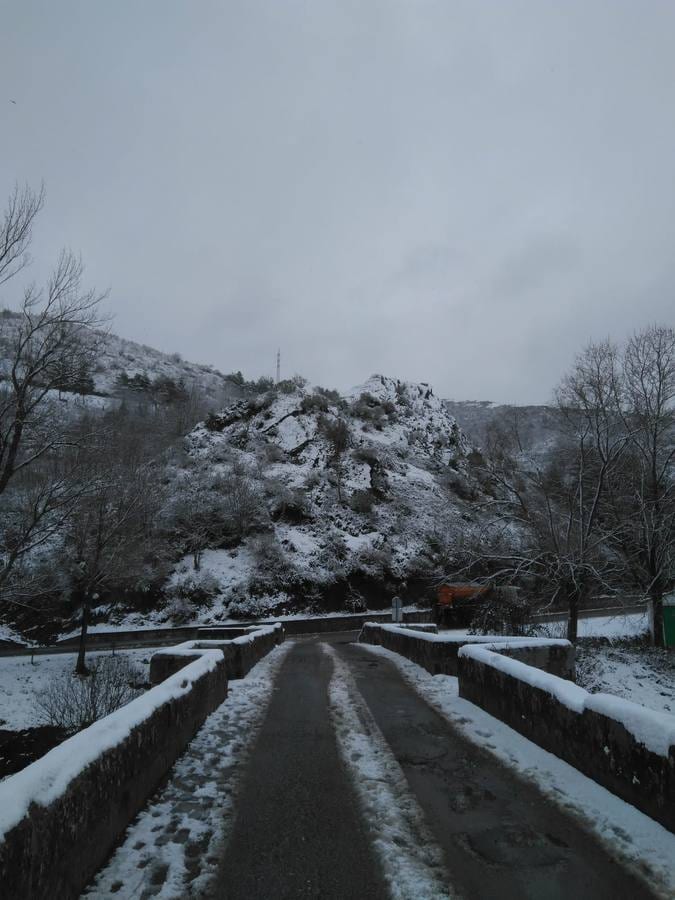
[(338, 468), (572, 616), (656, 601), (80, 667)]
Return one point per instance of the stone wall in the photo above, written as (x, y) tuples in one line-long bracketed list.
[(61, 816), (428, 628), (153, 637), (438, 654), (322, 624), (240, 653), (74, 804), (159, 637), (528, 684), (624, 747)]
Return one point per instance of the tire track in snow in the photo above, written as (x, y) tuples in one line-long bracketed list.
[(411, 860)]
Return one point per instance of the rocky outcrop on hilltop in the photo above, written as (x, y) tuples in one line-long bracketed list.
[(349, 498)]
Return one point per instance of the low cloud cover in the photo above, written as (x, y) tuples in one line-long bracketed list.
[(455, 192)]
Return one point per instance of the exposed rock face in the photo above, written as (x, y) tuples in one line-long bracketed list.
[(356, 487)]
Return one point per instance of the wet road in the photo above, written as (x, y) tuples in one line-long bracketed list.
[(299, 832), (500, 837)]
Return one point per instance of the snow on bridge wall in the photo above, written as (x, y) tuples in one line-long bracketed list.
[(528, 683), (625, 747), (157, 637), (240, 653), (438, 653), (61, 816)]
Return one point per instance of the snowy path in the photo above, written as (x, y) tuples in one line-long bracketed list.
[(298, 832), (339, 771), (173, 847)]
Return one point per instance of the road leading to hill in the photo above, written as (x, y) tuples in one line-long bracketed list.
[(299, 832)]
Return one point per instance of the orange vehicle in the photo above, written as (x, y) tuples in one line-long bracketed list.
[(454, 603)]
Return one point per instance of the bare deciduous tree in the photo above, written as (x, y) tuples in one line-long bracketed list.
[(55, 332), (110, 529), (16, 230), (562, 539), (212, 511), (53, 336), (339, 437), (643, 502)]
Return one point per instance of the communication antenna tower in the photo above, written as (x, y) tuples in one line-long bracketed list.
[(278, 366)]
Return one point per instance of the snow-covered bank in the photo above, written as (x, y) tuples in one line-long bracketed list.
[(640, 673), (640, 841), (21, 681), (615, 626), (52, 776)]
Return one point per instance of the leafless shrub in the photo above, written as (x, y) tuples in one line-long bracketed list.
[(338, 436), (354, 600), (375, 561), (366, 455), (197, 588), (362, 501), (503, 613), (314, 403), (74, 702)]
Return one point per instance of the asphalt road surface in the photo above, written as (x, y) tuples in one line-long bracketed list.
[(500, 837), (299, 832)]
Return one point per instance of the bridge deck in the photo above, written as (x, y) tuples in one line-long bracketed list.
[(297, 829)]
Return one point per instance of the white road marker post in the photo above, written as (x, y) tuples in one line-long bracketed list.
[(397, 609)]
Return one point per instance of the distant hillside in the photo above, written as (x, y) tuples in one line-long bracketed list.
[(123, 367), (125, 358), (536, 428)]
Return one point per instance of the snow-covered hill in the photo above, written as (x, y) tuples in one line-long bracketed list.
[(355, 496), (119, 356), (119, 359)]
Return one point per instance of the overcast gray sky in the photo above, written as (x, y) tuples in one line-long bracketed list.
[(455, 192)]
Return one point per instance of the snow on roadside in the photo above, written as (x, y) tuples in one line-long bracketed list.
[(639, 841), (21, 681), (7, 633), (617, 626), (642, 674), (172, 849), (410, 858)]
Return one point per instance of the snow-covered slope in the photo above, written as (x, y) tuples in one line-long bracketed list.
[(119, 355), (116, 356), (338, 528)]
